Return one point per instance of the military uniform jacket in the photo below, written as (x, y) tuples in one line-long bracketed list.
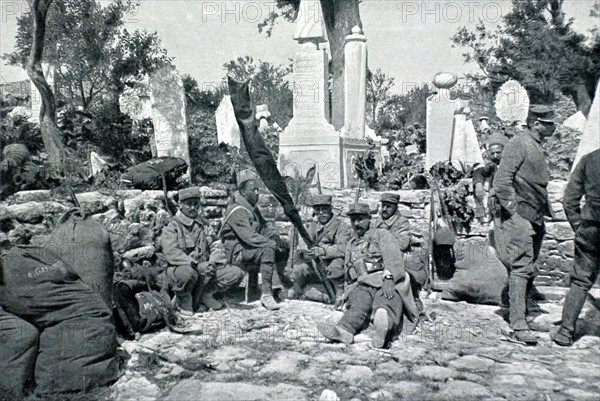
[(182, 236), (368, 257), (399, 226), (522, 177), (243, 224), (585, 180), (332, 237)]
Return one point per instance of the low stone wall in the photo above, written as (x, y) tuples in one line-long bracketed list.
[(129, 215)]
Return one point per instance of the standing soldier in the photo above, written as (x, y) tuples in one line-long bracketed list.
[(249, 242), (380, 284), (185, 244), (520, 189), (392, 220), (485, 174), (585, 180), (330, 235)]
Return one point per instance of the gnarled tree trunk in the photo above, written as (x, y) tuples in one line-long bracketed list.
[(51, 135)]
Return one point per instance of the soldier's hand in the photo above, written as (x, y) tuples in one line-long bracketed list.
[(316, 252), (388, 289), (205, 268)]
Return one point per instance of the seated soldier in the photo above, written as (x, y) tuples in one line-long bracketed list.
[(380, 288), (330, 235), (392, 220), (191, 273), (250, 242)]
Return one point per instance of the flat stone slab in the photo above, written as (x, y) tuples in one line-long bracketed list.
[(284, 363), (472, 363), (463, 390), (193, 390), (433, 372)]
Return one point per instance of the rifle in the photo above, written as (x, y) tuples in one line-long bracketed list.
[(429, 266)]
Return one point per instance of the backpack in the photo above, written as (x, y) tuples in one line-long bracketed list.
[(148, 175), (139, 311)]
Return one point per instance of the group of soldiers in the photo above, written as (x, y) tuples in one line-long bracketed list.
[(517, 175), (367, 263), (364, 262)]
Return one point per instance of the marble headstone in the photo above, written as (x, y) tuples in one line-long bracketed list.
[(167, 99), (590, 140)]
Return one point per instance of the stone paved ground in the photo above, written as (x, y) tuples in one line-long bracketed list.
[(248, 353)]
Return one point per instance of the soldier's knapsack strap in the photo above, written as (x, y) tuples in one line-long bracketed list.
[(228, 216)]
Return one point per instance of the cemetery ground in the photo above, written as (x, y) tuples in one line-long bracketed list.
[(248, 353)]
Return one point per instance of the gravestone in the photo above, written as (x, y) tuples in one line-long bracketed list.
[(309, 138), (355, 84), (590, 140), (228, 130), (440, 117), (577, 121), (451, 134), (167, 99), (464, 146)]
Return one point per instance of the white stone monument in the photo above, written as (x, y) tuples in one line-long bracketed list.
[(355, 84), (440, 117), (309, 138), (577, 121), (167, 99), (590, 140), (451, 134), (228, 130)]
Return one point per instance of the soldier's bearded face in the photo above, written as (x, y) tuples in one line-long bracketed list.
[(190, 207), (324, 213), (360, 224), (250, 192), (388, 209)]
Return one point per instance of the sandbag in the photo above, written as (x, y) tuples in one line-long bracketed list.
[(148, 175), (85, 245), (77, 343), (18, 352), (480, 276)]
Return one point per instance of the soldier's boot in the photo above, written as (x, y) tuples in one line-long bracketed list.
[(335, 332), (208, 297), (184, 302), (517, 308), (572, 308), (381, 324), (266, 299), (534, 293)]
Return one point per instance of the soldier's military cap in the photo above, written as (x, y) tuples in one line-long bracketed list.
[(321, 200), (390, 197), (358, 209), (497, 139), (246, 175), (187, 193), (543, 113)]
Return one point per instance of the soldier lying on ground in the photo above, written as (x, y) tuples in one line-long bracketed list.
[(193, 276), (380, 287), (330, 235)]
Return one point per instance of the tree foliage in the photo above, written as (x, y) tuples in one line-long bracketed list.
[(91, 51), (269, 85), (536, 46)]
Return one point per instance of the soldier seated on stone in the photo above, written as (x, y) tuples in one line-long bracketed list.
[(392, 220), (330, 235), (192, 274), (250, 242), (379, 287)]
